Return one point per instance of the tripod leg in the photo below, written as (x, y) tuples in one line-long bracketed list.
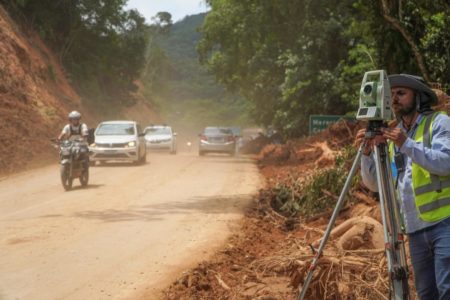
[(400, 268), (390, 214), (397, 223), (330, 225)]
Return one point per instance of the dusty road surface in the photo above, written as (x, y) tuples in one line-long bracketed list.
[(130, 233)]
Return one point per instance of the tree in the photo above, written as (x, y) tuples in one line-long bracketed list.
[(101, 45), (279, 55), (296, 58)]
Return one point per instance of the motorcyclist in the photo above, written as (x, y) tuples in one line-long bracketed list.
[(76, 130)]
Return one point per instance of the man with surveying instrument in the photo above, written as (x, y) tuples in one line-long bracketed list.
[(419, 150)]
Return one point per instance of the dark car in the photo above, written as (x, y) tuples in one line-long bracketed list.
[(217, 139)]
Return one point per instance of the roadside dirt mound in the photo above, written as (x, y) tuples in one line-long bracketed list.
[(339, 134), (298, 152), (254, 146), (35, 97), (320, 148), (269, 257), (271, 254), (303, 157)]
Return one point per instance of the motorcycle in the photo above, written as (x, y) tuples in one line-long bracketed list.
[(74, 162)]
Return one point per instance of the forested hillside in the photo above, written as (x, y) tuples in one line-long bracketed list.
[(188, 79), (291, 59)]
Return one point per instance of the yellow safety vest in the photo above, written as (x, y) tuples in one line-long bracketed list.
[(432, 192)]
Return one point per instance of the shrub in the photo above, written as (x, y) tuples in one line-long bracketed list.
[(292, 196)]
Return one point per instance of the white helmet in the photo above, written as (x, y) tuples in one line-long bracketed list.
[(74, 115)]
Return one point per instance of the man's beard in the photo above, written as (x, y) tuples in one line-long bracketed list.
[(401, 111)]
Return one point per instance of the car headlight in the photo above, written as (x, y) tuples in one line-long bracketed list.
[(132, 144)]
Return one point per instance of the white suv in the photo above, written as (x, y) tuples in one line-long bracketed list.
[(118, 141)]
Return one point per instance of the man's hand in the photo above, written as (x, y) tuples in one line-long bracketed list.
[(394, 134), (360, 135), (369, 142)]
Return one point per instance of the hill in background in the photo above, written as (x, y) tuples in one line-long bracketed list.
[(189, 78), (189, 95)]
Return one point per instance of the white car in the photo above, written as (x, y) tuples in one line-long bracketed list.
[(161, 137), (118, 141)]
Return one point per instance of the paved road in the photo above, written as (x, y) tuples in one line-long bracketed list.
[(131, 232)]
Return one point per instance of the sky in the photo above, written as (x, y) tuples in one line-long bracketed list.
[(177, 8)]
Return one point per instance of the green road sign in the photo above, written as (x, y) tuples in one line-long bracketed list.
[(318, 123)]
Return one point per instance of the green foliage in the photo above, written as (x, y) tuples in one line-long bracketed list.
[(292, 197), (279, 55), (101, 45), (436, 43), (291, 59), (185, 76)]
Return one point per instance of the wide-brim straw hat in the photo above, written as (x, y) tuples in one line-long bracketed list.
[(427, 95)]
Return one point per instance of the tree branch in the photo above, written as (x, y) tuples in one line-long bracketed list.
[(408, 38)]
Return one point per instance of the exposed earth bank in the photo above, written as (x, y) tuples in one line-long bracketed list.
[(269, 255), (35, 98)]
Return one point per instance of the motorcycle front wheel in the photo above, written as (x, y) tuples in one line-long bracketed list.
[(84, 178), (66, 180)]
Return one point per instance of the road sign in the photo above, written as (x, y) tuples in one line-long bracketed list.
[(318, 123)]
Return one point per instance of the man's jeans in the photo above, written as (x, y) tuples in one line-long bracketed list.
[(430, 255)]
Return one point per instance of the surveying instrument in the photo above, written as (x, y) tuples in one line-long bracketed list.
[(375, 107)]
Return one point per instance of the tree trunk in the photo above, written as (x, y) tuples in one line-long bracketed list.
[(409, 39)]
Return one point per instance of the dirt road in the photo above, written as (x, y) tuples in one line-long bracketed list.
[(129, 233)]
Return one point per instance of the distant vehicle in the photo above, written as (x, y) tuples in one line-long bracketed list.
[(161, 137), (217, 139), (118, 141), (236, 131)]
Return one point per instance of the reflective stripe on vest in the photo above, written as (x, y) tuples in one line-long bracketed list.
[(432, 192)]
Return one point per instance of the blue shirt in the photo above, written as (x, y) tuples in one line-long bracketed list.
[(436, 160)]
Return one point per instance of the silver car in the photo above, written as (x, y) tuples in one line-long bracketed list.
[(161, 137), (118, 141), (217, 139)]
